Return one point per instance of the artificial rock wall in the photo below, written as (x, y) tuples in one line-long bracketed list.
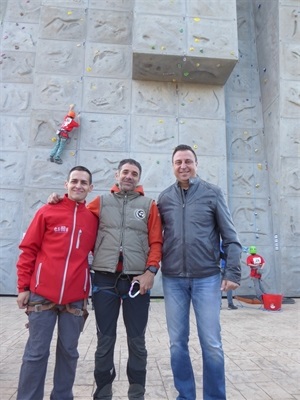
[(279, 67), (145, 77)]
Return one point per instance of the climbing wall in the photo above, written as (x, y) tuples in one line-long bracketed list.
[(145, 79)]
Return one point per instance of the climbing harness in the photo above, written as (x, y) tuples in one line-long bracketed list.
[(114, 287), (45, 306)]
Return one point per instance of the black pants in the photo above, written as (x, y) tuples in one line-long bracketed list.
[(109, 292)]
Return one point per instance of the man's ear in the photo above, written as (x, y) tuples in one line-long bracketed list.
[(66, 185), (91, 188)]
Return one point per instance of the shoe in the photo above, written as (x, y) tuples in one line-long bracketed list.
[(58, 160), (51, 158), (232, 307)]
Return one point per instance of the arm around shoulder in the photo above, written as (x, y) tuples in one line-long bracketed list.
[(54, 198), (94, 206)]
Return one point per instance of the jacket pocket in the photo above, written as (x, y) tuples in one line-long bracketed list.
[(78, 238)]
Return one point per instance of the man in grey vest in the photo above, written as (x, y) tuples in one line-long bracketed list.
[(126, 259), (128, 248)]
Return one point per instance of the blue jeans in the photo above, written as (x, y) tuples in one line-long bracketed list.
[(204, 294), (229, 297), (259, 289), (37, 351), (59, 147)]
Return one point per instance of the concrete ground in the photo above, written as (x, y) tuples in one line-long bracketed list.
[(262, 353)]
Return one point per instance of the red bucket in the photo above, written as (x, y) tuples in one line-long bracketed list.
[(272, 302)]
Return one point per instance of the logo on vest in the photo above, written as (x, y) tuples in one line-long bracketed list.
[(140, 214)]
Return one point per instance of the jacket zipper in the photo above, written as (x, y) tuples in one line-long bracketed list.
[(69, 255), (183, 197), (122, 225)]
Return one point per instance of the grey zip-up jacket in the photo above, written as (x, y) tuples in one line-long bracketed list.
[(194, 222)]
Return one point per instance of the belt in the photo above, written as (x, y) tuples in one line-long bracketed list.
[(40, 307)]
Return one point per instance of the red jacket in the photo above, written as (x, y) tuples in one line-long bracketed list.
[(68, 124), (55, 248)]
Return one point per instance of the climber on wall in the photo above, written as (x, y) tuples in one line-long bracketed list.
[(63, 134)]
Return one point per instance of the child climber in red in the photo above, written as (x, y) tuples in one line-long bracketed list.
[(256, 263), (63, 135)]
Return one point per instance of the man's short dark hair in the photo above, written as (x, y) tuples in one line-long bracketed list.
[(130, 161), (80, 168), (183, 147)]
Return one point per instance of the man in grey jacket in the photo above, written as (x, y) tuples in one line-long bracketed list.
[(195, 218)]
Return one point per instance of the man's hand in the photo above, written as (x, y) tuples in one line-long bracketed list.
[(23, 298), (228, 285), (146, 281), (54, 198)]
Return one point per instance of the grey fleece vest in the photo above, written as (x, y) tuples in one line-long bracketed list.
[(123, 226)]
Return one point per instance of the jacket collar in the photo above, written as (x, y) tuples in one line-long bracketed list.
[(71, 203), (192, 181), (139, 189)]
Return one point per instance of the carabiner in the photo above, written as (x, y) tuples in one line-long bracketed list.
[(131, 288)]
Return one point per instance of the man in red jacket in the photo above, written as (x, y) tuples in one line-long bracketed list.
[(53, 285)]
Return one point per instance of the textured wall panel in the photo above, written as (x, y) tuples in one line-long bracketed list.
[(206, 136), (60, 57), (108, 60), (14, 132), (17, 67), (55, 92), (208, 102), (155, 134), (12, 169), (62, 23), (154, 98), (247, 145), (107, 95), (109, 27), (15, 99), (104, 133), (19, 36), (252, 219)]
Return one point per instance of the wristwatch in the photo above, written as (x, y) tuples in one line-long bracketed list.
[(152, 269)]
